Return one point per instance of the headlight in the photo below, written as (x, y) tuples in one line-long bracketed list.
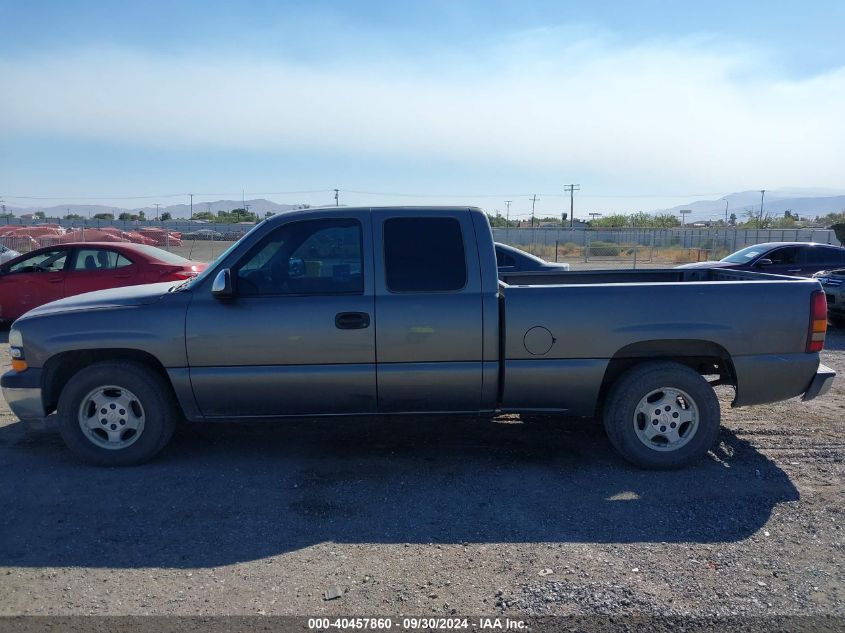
[(15, 338), (16, 350)]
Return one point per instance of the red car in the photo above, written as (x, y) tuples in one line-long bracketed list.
[(54, 272)]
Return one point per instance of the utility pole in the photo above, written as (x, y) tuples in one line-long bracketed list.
[(762, 195), (508, 215), (572, 189), (726, 212), (192, 205), (157, 205), (533, 201), (336, 197)]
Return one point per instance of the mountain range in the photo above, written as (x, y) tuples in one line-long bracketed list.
[(256, 205), (803, 202)]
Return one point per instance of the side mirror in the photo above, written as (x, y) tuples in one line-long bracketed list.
[(764, 262), (222, 286)]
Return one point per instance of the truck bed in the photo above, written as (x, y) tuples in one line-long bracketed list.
[(570, 325), (668, 275)]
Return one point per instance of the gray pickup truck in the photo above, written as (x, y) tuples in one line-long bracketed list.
[(359, 311)]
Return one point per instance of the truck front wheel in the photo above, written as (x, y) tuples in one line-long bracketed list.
[(116, 414), (662, 415)]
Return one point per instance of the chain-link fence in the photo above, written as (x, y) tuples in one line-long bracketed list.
[(581, 248), (646, 248), (192, 240)]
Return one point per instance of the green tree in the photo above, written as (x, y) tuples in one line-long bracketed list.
[(40, 215), (126, 216), (104, 216), (73, 216), (165, 216)]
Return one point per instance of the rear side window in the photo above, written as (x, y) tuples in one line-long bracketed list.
[(823, 255), (424, 255), (93, 259), (504, 259)]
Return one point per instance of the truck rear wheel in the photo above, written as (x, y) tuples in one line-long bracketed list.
[(662, 415), (116, 414)]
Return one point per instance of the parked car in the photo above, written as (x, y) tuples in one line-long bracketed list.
[(7, 254), (54, 272), (403, 311), (202, 234), (800, 259), (833, 282), (513, 260)]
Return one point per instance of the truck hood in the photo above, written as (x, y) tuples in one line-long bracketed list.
[(127, 296), (709, 264)]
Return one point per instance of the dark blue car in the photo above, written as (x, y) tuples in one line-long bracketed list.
[(800, 259), (513, 260)]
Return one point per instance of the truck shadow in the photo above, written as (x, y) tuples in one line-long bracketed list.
[(226, 493)]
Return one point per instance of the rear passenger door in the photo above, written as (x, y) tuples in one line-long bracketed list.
[(429, 311), (98, 269), (818, 258)]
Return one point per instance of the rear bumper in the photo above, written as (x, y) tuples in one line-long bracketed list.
[(22, 392), (820, 384)]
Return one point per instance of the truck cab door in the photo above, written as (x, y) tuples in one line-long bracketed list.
[(298, 336), (429, 342)]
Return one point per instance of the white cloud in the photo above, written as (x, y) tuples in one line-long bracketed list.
[(695, 112)]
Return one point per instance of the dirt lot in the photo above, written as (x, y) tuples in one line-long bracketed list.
[(522, 517)]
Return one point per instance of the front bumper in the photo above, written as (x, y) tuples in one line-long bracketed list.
[(22, 392), (821, 383)]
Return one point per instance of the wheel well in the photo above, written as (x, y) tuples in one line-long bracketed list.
[(61, 368), (705, 357)]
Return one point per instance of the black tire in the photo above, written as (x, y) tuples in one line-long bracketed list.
[(152, 391), (634, 385)]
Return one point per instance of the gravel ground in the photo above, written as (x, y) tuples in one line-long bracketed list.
[(520, 517)]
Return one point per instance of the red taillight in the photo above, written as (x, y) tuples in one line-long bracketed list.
[(818, 322)]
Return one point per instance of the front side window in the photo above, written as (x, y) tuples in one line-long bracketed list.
[(424, 255), (304, 258), (48, 261), (94, 259), (784, 256)]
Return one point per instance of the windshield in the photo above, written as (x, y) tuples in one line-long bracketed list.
[(745, 255)]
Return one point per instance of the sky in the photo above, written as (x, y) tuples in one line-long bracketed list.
[(644, 104)]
